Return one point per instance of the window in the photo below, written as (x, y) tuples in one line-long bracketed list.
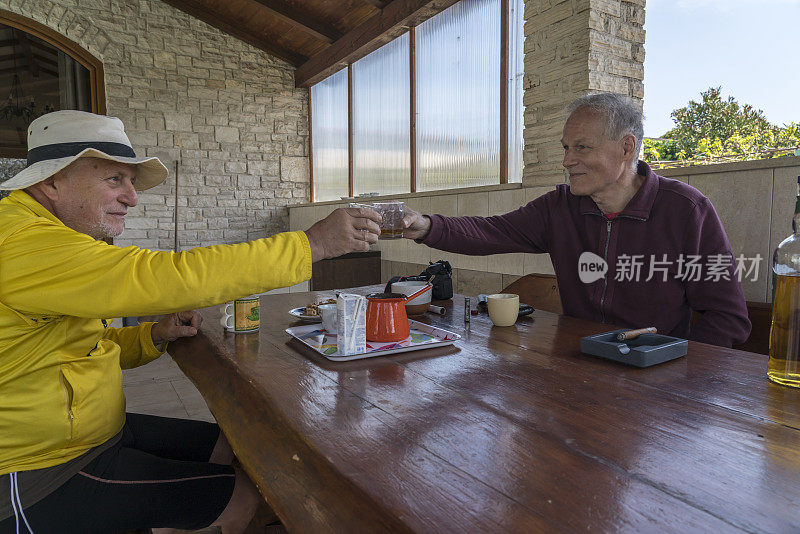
[(516, 73), (329, 114), (458, 97), (381, 129), (40, 71), (455, 137)]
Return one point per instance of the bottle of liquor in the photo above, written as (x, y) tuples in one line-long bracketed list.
[(784, 338)]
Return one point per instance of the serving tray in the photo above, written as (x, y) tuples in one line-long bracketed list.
[(423, 336)]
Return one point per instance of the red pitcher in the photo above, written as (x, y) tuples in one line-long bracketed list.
[(386, 316)]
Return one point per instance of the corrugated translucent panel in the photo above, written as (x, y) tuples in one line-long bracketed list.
[(458, 96), (381, 123), (516, 72), (329, 131)]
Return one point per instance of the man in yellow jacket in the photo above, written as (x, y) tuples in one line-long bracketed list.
[(70, 458)]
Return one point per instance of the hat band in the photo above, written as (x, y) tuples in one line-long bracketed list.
[(65, 150)]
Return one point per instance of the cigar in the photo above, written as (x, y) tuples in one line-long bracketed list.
[(633, 334), (436, 309)]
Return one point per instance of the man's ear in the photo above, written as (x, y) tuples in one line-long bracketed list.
[(629, 146), (48, 187)]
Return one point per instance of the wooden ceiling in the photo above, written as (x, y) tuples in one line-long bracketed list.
[(318, 37)]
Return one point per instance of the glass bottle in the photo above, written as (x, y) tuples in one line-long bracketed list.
[(784, 337)]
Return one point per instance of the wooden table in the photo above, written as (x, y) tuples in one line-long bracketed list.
[(510, 430)]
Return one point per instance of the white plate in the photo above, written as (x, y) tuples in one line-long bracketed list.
[(298, 313), (423, 336)]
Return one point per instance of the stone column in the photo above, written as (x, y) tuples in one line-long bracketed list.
[(571, 47)]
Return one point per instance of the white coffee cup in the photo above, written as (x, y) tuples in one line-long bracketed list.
[(503, 308), (241, 315), (328, 313)]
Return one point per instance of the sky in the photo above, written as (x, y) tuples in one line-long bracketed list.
[(749, 47)]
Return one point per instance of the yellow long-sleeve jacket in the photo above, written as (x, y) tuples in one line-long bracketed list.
[(60, 365)]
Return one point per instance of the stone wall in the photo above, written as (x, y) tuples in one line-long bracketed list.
[(8, 168), (226, 112), (573, 46)]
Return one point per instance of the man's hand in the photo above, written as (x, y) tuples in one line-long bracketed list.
[(415, 225), (345, 230), (176, 325)]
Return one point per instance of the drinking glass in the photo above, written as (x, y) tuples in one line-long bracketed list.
[(391, 212)]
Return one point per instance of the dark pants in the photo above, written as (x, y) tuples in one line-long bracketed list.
[(158, 475)]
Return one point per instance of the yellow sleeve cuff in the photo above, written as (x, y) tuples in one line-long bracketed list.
[(307, 252), (149, 351)]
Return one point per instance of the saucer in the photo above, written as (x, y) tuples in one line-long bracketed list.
[(299, 313)]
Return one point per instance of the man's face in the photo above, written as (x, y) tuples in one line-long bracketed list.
[(94, 195), (594, 162)]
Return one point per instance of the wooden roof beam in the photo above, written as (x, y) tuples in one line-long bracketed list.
[(380, 4), (34, 43), (45, 59), (376, 31), (43, 46), (33, 65), (12, 70), (299, 20), (40, 85), (41, 58), (225, 25)]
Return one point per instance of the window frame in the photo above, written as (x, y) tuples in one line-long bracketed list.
[(504, 109), (97, 97)]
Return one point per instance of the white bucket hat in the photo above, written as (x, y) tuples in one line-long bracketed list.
[(57, 139)]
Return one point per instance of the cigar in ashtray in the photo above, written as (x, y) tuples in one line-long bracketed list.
[(436, 309), (633, 334)]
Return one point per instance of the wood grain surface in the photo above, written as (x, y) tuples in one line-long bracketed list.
[(510, 430)]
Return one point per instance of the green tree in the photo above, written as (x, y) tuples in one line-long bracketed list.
[(714, 128), (716, 121), (662, 150)]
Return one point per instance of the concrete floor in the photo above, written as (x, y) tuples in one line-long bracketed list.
[(160, 388)]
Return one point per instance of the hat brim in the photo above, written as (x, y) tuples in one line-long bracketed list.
[(150, 172)]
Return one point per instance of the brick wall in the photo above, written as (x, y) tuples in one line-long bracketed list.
[(228, 113), (572, 46)]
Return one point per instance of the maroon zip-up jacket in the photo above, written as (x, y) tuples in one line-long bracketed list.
[(665, 217)]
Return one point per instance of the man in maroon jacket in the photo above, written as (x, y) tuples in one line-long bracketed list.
[(661, 241)]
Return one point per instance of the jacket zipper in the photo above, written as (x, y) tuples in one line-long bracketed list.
[(68, 402), (605, 278), (605, 257)]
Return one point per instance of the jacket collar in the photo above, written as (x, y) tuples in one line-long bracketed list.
[(23, 199), (641, 203)]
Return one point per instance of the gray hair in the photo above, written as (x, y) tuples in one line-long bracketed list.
[(621, 114)]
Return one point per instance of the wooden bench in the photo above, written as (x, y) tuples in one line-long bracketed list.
[(760, 314), (537, 290)]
